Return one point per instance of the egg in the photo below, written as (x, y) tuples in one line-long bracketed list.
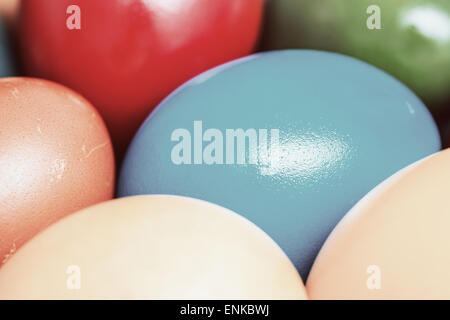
[(151, 247), (55, 158), (410, 39), (126, 56), (289, 139), (395, 243)]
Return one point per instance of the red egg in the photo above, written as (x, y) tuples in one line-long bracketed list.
[(55, 158), (126, 55)]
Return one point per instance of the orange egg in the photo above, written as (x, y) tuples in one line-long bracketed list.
[(395, 243), (151, 247), (55, 158)]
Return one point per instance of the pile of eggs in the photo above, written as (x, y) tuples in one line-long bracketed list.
[(309, 173)]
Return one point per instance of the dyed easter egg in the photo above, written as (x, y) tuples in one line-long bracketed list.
[(151, 247), (289, 139), (55, 158), (394, 244), (410, 39), (125, 56)]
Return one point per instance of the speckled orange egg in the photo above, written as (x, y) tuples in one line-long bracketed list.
[(56, 157)]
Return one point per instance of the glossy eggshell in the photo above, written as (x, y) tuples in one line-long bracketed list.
[(128, 55), (412, 44), (344, 126), (152, 247), (401, 228), (55, 158)]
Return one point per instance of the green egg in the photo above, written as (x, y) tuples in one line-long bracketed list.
[(410, 39)]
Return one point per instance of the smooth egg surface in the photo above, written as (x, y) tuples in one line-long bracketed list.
[(151, 247), (410, 39), (126, 56), (395, 243), (289, 139)]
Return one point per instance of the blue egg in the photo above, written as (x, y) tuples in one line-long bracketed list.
[(7, 67), (291, 140)]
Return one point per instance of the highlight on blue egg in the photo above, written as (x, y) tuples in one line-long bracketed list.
[(289, 139)]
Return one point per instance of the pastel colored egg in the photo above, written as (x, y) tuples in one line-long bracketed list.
[(151, 247), (410, 39), (394, 244), (290, 139), (55, 158), (126, 56)]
